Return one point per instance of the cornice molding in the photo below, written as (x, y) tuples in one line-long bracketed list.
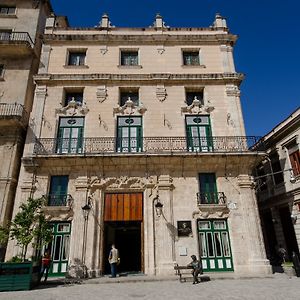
[(222, 39), (157, 78)]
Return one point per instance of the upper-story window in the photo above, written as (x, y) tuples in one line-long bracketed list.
[(190, 96), (76, 96), (191, 58), (133, 95), (276, 168), (5, 34), (7, 10), (294, 156), (76, 58), (1, 71), (129, 57)]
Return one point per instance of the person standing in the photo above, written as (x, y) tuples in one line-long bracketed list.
[(114, 260), (197, 268), (46, 262)]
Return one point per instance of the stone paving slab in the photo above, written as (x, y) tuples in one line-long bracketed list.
[(279, 287)]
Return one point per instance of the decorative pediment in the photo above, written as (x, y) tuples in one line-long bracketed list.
[(212, 211), (197, 107), (130, 108), (161, 93), (73, 108)]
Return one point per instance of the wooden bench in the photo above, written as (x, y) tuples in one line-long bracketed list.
[(185, 274)]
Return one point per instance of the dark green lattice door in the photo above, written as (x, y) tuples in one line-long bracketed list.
[(214, 245)]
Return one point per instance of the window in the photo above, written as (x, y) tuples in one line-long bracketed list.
[(191, 58), (129, 58), (7, 10), (70, 135), (58, 191), (129, 138), (199, 133), (76, 58), (276, 168), (294, 156), (192, 95), (262, 180), (133, 95), (74, 96), (1, 71), (208, 189), (5, 34)]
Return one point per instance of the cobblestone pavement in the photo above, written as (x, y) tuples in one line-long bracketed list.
[(279, 287)]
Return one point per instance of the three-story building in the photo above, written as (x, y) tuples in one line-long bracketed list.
[(138, 139)]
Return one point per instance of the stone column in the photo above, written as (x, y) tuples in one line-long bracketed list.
[(164, 228), (253, 247), (77, 267)]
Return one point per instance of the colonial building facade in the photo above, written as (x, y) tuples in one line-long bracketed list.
[(278, 184), (137, 138), (21, 24)]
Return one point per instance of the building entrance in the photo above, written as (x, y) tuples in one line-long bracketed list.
[(123, 226)]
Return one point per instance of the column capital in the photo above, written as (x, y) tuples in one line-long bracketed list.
[(82, 183), (246, 181)]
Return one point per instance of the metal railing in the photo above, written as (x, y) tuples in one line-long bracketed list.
[(19, 37), (148, 145), (211, 198), (59, 200), (12, 111)]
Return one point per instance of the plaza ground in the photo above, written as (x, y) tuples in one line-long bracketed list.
[(279, 286)]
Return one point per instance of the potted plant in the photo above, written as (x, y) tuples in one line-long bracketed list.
[(29, 226)]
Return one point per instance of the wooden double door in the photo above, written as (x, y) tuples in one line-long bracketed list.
[(123, 226)]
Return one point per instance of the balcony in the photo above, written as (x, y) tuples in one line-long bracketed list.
[(211, 198), (59, 200), (15, 43), (146, 145), (13, 114)]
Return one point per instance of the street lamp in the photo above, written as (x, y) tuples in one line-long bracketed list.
[(86, 210), (158, 206)]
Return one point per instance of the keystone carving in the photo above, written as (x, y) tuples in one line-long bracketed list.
[(129, 108), (73, 108), (197, 108)]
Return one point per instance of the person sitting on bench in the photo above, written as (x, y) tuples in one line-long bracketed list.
[(197, 268)]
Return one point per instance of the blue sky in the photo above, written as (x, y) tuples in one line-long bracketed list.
[(267, 52)]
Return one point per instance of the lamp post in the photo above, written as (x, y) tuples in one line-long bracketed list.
[(86, 211), (158, 206)]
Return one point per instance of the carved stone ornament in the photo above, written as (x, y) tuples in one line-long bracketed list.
[(212, 211), (161, 49), (101, 93), (161, 93), (232, 90), (103, 50), (58, 213), (123, 183), (73, 108), (130, 108), (197, 108)]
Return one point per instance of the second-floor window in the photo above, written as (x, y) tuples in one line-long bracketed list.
[(129, 134), (70, 135), (294, 156), (198, 131), (5, 34), (58, 191), (132, 95), (76, 58), (73, 96), (276, 168), (7, 10), (192, 95), (129, 58), (191, 58), (208, 189)]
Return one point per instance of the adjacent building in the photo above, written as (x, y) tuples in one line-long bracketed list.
[(278, 186), (137, 138), (21, 26)]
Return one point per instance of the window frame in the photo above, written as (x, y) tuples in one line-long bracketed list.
[(71, 52), (194, 91), (7, 13), (128, 91), (2, 71), (74, 91), (129, 50), (189, 51)]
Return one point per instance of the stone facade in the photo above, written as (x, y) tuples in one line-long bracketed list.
[(143, 153), (21, 24), (278, 186)]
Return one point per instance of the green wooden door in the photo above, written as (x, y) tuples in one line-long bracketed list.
[(198, 131), (208, 188), (70, 135), (129, 138), (58, 191), (214, 245), (59, 248)]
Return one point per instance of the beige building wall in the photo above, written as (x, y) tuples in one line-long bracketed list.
[(169, 174)]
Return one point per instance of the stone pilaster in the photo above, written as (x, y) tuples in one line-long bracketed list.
[(164, 233), (45, 56), (253, 257)]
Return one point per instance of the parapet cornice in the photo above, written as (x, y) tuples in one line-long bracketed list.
[(154, 38), (226, 78)]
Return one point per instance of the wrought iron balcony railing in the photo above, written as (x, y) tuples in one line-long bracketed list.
[(13, 111), (59, 200), (211, 198), (16, 37), (151, 145)]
